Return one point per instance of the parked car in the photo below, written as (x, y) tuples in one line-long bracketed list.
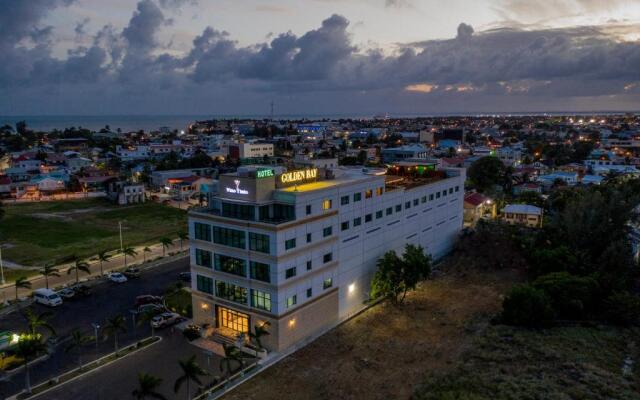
[(66, 293), (47, 297), (153, 308), (165, 319), (185, 276), (132, 272), (81, 290), (147, 299), (117, 277)]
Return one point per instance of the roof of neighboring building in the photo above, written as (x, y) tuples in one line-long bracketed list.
[(475, 199), (522, 209)]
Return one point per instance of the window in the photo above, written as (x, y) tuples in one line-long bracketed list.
[(290, 244), (291, 301), (431, 197), (326, 204), (368, 194), (357, 221), (450, 190), (327, 257), (327, 231), (231, 292), (407, 205), (344, 200), (204, 284), (261, 300), (308, 209), (357, 197), (309, 292), (398, 207), (230, 265), (259, 242), (239, 211), (344, 226), (202, 231), (327, 283), (368, 218), (309, 266), (290, 273), (203, 258), (437, 195), (378, 214), (444, 192), (379, 191), (389, 210), (260, 271), (229, 237), (416, 202), (424, 199), (457, 188), (308, 238)]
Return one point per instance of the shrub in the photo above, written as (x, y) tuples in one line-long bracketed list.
[(572, 297), (527, 306), (622, 308)]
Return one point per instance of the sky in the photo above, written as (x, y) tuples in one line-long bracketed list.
[(318, 57)]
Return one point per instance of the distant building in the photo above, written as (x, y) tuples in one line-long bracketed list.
[(395, 154), (124, 193), (476, 206), (250, 150), (523, 214)]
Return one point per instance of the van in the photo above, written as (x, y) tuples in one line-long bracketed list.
[(47, 297)]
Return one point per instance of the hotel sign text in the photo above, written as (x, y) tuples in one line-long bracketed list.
[(301, 175)]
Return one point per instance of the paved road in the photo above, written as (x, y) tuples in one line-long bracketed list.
[(107, 299)]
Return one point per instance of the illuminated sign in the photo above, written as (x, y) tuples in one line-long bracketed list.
[(299, 175), (264, 173), (236, 190)]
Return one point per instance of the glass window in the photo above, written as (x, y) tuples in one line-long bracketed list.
[(368, 194), (260, 271), (389, 210), (344, 200), (308, 238), (239, 211), (291, 301), (407, 205), (308, 209), (368, 218), (437, 195), (230, 265), (327, 257), (290, 244), (202, 231), (326, 204), (424, 199), (229, 237), (261, 300), (415, 202), (450, 190), (327, 283), (204, 284), (457, 188), (327, 231), (309, 265), (398, 207), (357, 197), (309, 292), (431, 197), (231, 292), (357, 221), (259, 242), (203, 258), (444, 192), (290, 273), (379, 191), (378, 214), (344, 226)]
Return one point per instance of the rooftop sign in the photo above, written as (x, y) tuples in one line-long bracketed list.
[(299, 176), (264, 173)]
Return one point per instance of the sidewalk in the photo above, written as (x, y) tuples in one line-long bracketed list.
[(7, 291)]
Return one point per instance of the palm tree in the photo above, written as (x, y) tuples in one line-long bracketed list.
[(128, 251), (79, 265), (49, 270), (166, 243), (103, 257), (231, 353), (146, 317), (182, 236), (22, 283), (78, 341), (191, 371), (258, 332), (28, 348), (147, 385), (114, 326), (38, 321), (144, 254)]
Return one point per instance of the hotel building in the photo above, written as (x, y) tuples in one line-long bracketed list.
[(298, 248)]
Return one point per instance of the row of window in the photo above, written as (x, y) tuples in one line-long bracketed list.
[(291, 272), (232, 237), (236, 266)]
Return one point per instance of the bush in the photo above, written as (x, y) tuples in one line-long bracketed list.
[(623, 308), (527, 306), (572, 297)]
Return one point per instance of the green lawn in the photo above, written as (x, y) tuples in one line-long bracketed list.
[(51, 231)]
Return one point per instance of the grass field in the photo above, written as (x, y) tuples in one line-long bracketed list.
[(35, 233)]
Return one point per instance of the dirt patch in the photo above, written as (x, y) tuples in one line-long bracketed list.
[(67, 216), (386, 351)]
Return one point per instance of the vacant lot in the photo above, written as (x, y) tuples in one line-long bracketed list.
[(35, 233), (387, 351)]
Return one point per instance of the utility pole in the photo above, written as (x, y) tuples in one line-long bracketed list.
[(120, 226)]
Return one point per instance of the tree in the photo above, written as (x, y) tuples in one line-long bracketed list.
[(48, 270), (36, 322), (103, 257), (182, 236), (387, 280), (128, 251), (231, 353), (532, 198), (258, 332), (487, 172), (22, 283), (396, 276), (78, 341), (166, 243), (146, 317), (28, 348), (527, 306), (78, 265), (191, 371), (144, 254), (147, 385), (113, 327)]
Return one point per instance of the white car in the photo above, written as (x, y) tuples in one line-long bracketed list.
[(117, 277), (165, 319), (66, 293)]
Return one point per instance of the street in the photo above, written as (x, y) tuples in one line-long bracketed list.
[(106, 300)]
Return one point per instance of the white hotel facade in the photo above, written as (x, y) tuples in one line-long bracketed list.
[(299, 248)]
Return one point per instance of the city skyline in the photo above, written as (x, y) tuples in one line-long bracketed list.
[(318, 57)]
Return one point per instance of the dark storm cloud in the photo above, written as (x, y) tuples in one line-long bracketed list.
[(130, 66)]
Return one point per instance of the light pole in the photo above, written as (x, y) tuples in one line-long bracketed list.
[(2, 281), (96, 326), (120, 226)]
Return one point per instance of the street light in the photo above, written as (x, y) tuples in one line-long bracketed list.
[(96, 326)]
